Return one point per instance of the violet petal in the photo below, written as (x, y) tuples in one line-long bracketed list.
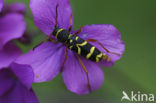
[(6, 81), (19, 94), (44, 12), (12, 26), (75, 77), (1, 5), (45, 61), (24, 73), (15, 8), (8, 54), (108, 36)]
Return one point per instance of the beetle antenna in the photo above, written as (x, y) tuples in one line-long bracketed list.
[(56, 14)]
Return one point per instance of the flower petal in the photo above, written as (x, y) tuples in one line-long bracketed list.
[(44, 12), (12, 26), (75, 77), (19, 94), (15, 8), (6, 81), (24, 73), (8, 54), (1, 5), (30, 96), (45, 61), (108, 36)]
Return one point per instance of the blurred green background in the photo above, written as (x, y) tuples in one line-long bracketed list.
[(136, 71)]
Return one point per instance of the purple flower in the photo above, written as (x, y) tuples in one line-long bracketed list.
[(15, 79), (19, 8), (12, 26), (15, 84), (47, 59)]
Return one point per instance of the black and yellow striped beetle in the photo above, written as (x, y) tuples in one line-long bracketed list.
[(75, 43)]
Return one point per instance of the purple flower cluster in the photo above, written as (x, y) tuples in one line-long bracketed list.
[(18, 71), (15, 79)]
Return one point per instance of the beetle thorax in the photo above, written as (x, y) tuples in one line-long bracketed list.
[(61, 34)]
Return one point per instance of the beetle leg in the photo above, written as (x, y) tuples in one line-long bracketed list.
[(86, 72), (94, 40), (56, 15), (77, 32), (49, 38), (66, 55), (71, 22)]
